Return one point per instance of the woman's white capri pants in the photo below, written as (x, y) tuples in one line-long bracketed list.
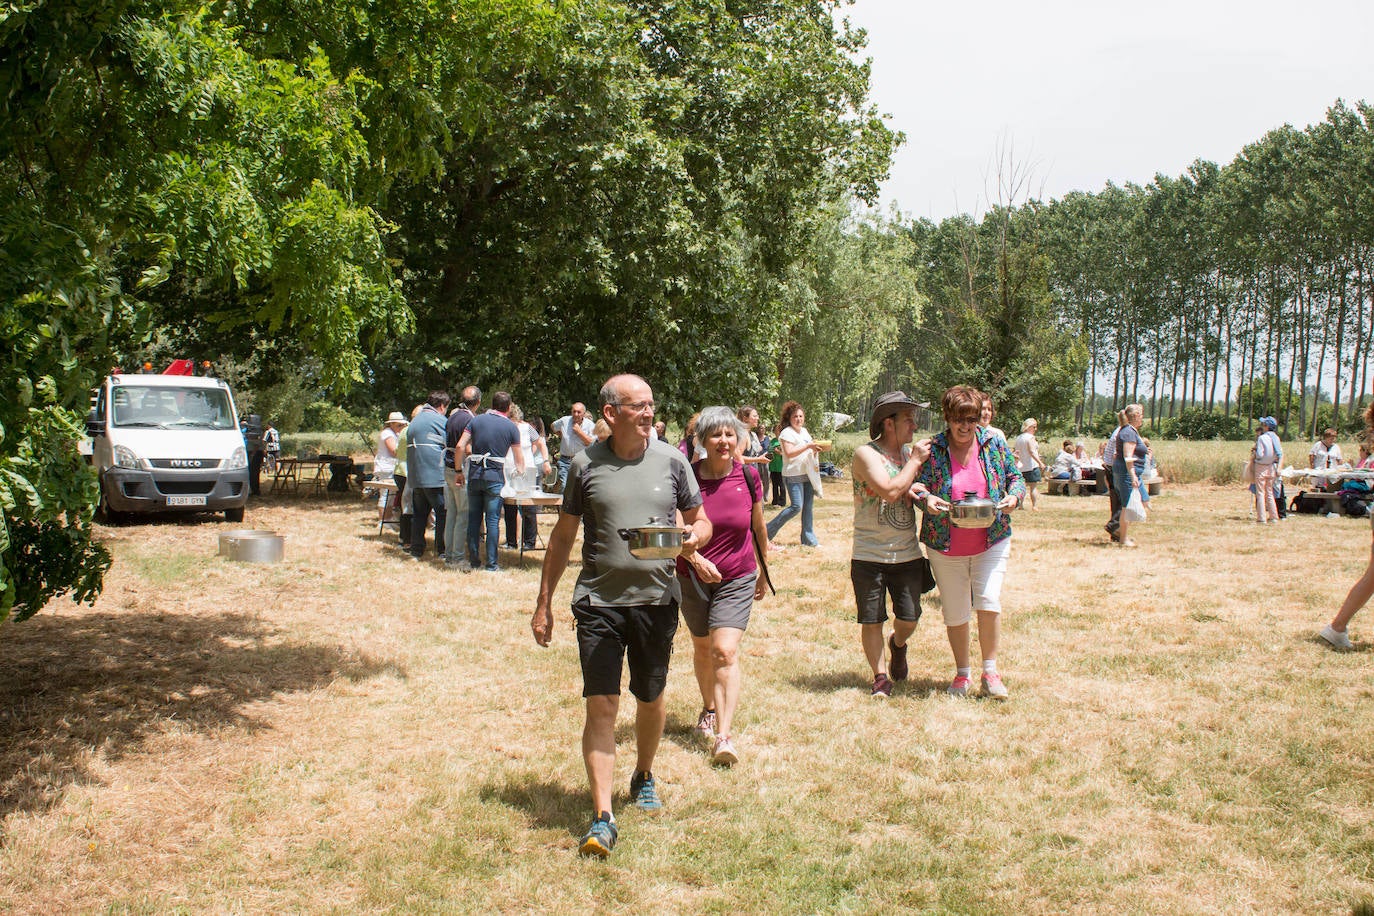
[(970, 583)]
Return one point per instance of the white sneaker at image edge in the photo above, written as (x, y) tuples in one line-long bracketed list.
[(1339, 640)]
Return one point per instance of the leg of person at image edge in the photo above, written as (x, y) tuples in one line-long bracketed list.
[(1336, 632)]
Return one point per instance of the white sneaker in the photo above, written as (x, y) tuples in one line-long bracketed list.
[(1338, 640), (724, 754)]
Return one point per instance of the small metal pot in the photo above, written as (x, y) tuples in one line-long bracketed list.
[(240, 533), (654, 542), (972, 512), (259, 549)]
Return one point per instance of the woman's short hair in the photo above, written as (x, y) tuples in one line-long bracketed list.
[(1027, 423), (960, 400), (516, 413), (713, 419)]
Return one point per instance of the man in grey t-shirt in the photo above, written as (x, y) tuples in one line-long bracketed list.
[(625, 608)]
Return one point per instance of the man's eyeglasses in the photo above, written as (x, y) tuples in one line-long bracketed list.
[(636, 406)]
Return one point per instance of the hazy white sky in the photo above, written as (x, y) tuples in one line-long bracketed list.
[(1090, 92)]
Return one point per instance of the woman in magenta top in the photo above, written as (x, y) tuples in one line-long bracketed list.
[(969, 563), (720, 582)]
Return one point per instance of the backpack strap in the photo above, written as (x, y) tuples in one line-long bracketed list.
[(755, 485)]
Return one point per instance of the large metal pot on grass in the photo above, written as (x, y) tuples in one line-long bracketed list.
[(260, 547), (240, 533)]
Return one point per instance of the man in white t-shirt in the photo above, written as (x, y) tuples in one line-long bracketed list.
[(575, 432)]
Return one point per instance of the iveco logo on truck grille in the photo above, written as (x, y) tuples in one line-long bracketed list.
[(185, 462)]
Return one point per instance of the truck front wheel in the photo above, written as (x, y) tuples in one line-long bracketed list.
[(107, 515), (233, 515)]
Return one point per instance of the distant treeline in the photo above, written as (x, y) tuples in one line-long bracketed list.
[(1244, 289)]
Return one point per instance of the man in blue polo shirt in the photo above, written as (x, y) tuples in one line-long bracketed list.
[(483, 447)]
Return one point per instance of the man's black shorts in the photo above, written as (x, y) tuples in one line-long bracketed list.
[(607, 636)]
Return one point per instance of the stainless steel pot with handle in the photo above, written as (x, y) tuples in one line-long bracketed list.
[(972, 512), (654, 542)]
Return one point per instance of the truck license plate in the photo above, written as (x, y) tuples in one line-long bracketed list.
[(186, 500)]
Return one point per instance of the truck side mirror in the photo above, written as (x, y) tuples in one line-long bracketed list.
[(93, 425)]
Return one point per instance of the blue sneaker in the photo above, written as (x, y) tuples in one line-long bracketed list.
[(600, 837), (644, 793)]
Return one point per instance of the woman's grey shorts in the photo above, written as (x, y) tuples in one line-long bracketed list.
[(709, 606)]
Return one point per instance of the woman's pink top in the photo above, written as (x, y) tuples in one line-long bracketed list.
[(729, 505), (968, 480)]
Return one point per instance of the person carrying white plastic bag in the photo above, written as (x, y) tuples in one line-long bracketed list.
[(1135, 508), (1128, 468)]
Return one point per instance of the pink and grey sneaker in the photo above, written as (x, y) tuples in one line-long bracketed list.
[(706, 724), (959, 686), (993, 686), (882, 687)]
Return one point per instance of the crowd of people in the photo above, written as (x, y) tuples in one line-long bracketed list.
[(617, 473)]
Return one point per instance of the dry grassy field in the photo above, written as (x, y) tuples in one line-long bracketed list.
[(346, 732)]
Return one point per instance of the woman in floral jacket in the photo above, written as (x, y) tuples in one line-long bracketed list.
[(970, 563)]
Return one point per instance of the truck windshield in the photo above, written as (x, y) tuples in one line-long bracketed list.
[(172, 408)]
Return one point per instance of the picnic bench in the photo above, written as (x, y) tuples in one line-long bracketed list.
[(1059, 485), (313, 475)]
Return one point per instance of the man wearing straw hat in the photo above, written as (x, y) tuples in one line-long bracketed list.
[(887, 558)]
